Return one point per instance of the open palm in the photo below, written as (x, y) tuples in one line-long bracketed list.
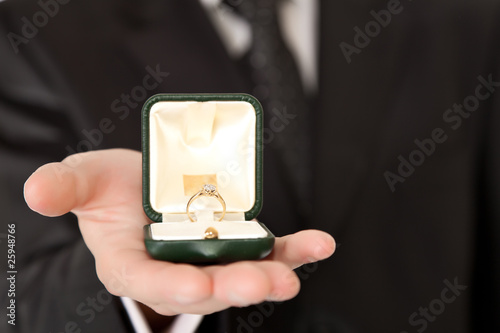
[(103, 189)]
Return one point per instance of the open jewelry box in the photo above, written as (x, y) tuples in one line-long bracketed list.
[(193, 145)]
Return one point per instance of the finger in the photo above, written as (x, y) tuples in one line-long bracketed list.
[(281, 284), (285, 283), (205, 307), (133, 274), (303, 247), (57, 188), (240, 284)]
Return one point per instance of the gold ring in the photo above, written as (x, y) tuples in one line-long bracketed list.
[(208, 190)]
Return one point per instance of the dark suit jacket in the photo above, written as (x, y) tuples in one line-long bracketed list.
[(403, 256)]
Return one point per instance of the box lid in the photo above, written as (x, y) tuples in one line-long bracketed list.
[(192, 139)]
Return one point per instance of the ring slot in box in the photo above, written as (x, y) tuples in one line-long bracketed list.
[(191, 143)]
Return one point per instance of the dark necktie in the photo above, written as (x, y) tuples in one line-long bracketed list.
[(277, 85)]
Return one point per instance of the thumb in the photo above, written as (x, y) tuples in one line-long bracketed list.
[(52, 189), (58, 188)]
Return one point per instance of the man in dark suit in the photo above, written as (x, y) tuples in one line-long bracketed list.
[(405, 159)]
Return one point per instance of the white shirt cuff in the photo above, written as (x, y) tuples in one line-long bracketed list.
[(183, 323)]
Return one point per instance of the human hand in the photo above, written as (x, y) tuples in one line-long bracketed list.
[(104, 190)]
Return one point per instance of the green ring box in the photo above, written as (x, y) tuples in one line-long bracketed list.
[(192, 139)]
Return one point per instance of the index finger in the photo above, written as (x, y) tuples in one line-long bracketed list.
[(303, 247)]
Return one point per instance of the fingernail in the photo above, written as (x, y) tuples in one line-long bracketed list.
[(275, 298), (324, 248), (184, 300), (237, 300)]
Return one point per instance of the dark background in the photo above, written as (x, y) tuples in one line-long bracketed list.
[(395, 249)]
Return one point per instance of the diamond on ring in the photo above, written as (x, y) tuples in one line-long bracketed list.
[(209, 189)]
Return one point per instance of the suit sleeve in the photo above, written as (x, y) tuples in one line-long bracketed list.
[(56, 287)]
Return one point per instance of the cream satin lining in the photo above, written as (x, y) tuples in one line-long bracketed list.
[(187, 230), (196, 230), (202, 138)]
